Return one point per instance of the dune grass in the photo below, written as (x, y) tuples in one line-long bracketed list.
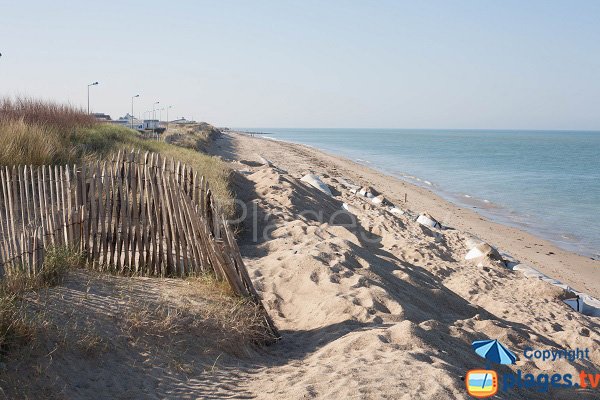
[(35, 132), (197, 136), (103, 140), (15, 327)]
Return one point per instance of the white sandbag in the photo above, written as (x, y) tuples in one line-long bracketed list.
[(396, 211), (377, 200), (317, 183), (368, 192), (264, 161), (575, 303), (582, 303), (557, 283), (526, 269), (483, 250), (428, 220), (349, 208), (472, 242), (591, 305), (532, 273), (353, 188)]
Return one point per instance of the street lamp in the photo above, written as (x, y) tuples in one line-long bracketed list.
[(154, 109), (133, 97), (168, 116), (88, 90), (154, 116)]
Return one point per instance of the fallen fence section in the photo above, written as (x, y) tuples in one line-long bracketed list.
[(137, 214)]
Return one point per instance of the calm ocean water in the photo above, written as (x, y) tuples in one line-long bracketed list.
[(546, 182)]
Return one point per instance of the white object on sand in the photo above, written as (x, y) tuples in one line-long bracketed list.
[(264, 161), (349, 208), (316, 182), (396, 211), (472, 242), (582, 303), (378, 200), (428, 220), (367, 192), (591, 305), (575, 303), (353, 188), (483, 250)]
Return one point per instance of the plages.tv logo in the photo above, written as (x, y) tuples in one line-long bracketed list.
[(482, 383)]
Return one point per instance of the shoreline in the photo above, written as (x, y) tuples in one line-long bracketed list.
[(579, 272)]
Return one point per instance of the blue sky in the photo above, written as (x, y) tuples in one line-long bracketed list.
[(394, 64)]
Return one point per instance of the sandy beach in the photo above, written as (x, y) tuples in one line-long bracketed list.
[(386, 307), (581, 273)]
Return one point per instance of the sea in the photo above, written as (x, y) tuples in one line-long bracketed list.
[(544, 182)]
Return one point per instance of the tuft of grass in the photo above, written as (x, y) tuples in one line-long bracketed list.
[(15, 328), (58, 261), (24, 143), (60, 117), (36, 132), (227, 323), (192, 136)]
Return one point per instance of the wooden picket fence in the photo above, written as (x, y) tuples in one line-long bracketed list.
[(137, 214)]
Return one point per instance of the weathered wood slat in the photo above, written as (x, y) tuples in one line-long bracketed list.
[(93, 215), (84, 196), (107, 238), (12, 195), (135, 229), (126, 221), (99, 239), (21, 197), (69, 195)]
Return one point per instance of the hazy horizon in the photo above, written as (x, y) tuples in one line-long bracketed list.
[(408, 129), (384, 65)]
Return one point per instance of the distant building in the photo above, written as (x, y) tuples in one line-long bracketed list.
[(182, 120), (130, 121), (101, 116), (150, 124)]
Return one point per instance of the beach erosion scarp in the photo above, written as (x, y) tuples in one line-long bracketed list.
[(359, 287)]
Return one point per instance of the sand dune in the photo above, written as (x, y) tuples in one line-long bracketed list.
[(372, 304)]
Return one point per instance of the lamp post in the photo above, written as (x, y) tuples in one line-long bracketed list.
[(168, 116), (88, 90), (133, 97), (154, 116), (154, 109)]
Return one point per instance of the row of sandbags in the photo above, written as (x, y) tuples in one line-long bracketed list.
[(479, 250), (580, 302), (371, 194)]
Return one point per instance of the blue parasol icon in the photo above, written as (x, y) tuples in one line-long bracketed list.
[(494, 351)]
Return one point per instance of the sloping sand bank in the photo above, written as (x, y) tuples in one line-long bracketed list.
[(375, 305)]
